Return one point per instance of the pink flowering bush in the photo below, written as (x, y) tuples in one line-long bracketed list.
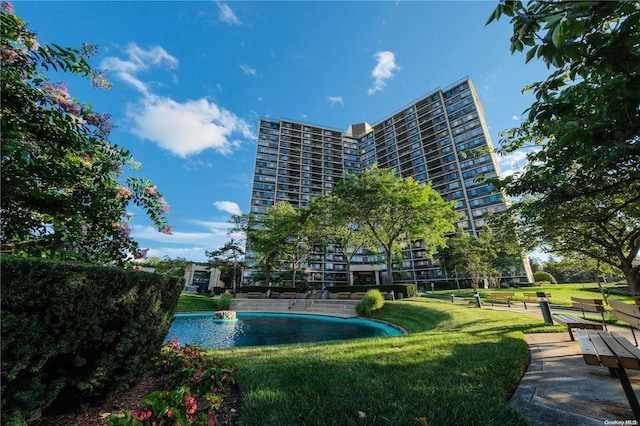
[(194, 390), (66, 188)]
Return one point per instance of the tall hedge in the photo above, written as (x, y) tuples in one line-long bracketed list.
[(77, 330)]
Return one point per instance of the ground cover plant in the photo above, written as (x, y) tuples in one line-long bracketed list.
[(457, 365), (194, 389)]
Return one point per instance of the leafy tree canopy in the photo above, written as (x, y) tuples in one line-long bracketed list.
[(393, 209), (64, 189), (580, 192)]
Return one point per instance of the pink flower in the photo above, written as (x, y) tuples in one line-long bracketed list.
[(191, 405), (151, 190), (123, 193), (7, 7), (142, 254), (166, 229), (169, 413), (164, 209)]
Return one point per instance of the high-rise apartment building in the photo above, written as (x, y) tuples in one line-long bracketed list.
[(432, 139)]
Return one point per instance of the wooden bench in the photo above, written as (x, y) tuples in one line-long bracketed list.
[(615, 352), (533, 297), (288, 294), (500, 298), (254, 295), (359, 294), (627, 313), (589, 305), (343, 295)]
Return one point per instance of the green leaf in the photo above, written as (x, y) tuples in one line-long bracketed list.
[(558, 35), (531, 53)]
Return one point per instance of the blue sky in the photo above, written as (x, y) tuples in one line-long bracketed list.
[(191, 78)]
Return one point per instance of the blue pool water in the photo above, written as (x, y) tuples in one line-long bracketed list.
[(259, 329)]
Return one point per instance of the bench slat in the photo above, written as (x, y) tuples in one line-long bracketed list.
[(600, 345), (629, 354), (577, 322), (607, 358), (587, 301), (626, 312), (588, 352)]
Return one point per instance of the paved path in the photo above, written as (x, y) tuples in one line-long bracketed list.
[(558, 388)]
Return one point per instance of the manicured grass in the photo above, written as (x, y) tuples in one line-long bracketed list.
[(560, 293), (196, 303), (457, 366)]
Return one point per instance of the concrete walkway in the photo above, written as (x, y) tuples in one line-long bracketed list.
[(558, 388)]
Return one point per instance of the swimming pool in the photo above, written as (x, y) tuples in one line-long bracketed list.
[(260, 329)]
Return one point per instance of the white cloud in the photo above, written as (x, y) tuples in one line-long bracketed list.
[(247, 69), (182, 128), (149, 233), (188, 245), (194, 254), (187, 128), (226, 14), (514, 163), (383, 70), (335, 100), (228, 206), (515, 118), (138, 60)]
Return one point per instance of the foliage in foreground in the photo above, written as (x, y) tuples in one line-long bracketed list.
[(195, 388), (457, 366), (579, 191), (72, 331), (64, 190)]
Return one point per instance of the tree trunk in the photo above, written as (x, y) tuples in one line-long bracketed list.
[(389, 266), (632, 275), (349, 281)]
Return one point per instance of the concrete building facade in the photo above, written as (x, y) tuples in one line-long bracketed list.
[(434, 139)]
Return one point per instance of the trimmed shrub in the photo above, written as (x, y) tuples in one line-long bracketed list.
[(72, 331), (400, 290), (224, 302), (544, 276), (370, 302)]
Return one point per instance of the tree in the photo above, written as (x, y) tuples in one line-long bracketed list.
[(393, 209), (490, 255), (268, 236), (64, 193), (580, 192), (229, 259), (466, 257), (336, 219), (579, 269), (168, 266)]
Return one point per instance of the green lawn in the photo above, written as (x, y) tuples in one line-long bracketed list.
[(457, 366), (189, 302), (560, 293)]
